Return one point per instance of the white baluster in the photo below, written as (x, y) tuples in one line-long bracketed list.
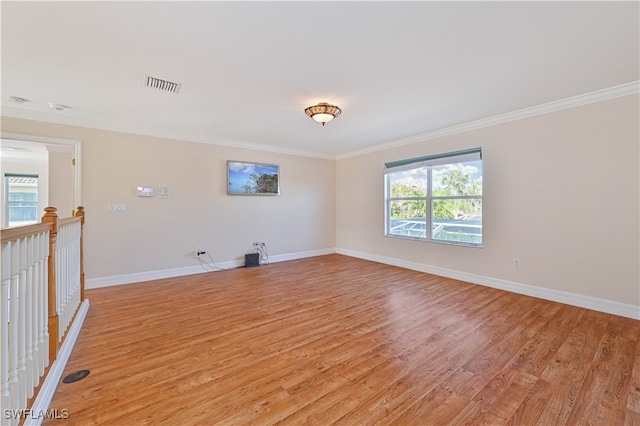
[(5, 273), (44, 324), (35, 317), (75, 261), (64, 264), (59, 281), (22, 323), (14, 385), (31, 377)]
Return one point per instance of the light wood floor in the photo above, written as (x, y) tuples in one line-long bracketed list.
[(333, 339)]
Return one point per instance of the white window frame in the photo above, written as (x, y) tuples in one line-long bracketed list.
[(8, 203), (427, 164)]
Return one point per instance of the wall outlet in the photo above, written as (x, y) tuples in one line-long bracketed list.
[(516, 263)]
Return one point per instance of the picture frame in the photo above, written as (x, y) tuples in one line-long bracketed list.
[(249, 178)]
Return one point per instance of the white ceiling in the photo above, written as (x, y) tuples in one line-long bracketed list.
[(23, 152), (248, 69)]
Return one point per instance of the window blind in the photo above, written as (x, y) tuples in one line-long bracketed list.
[(473, 154)]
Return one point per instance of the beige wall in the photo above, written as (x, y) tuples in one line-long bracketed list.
[(157, 234), (61, 181), (561, 193)]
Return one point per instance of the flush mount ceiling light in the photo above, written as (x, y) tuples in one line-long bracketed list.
[(17, 99), (323, 112), (57, 107)]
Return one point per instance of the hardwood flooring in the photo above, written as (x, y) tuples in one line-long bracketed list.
[(338, 340)]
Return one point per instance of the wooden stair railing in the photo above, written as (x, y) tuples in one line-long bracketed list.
[(41, 289)]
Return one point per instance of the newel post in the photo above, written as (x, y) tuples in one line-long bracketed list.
[(80, 213), (51, 217)]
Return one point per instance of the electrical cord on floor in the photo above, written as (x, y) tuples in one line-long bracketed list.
[(209, 266)]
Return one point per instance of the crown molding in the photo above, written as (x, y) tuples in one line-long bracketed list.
[(567, 103), (123, 127)]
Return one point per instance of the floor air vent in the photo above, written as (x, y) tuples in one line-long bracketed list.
[(160, 84), (74, 377)]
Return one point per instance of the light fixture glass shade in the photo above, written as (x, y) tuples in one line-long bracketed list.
[(323, 112), (322, 118)]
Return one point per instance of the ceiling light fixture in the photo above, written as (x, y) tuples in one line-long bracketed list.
[(57, 107), (323, 112), (17, 99)]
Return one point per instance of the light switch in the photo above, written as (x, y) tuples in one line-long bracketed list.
[(164, 192)]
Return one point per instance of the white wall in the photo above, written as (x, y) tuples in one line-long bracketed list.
[(157, 234), (561, 193)]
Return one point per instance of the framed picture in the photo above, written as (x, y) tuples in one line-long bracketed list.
[(245, 178)]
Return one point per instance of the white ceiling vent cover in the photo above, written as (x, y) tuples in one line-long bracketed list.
[(161, 84)]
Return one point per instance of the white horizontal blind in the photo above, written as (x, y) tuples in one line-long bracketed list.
[(474, 154)]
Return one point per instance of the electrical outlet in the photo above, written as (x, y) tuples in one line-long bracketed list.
[(516, 263)]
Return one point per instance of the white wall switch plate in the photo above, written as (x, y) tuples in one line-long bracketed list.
[(117, 208), (164, 192)]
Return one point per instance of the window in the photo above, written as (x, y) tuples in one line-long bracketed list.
[(436, 198), (21, 199)]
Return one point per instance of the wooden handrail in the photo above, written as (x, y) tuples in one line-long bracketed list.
[(9, 234)]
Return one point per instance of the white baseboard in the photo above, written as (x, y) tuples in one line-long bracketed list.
[(190, 270), (45, 395), (150, 275), (588, 302), (301, 255)]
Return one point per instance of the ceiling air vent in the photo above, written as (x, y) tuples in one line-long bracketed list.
[(160, 84)]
